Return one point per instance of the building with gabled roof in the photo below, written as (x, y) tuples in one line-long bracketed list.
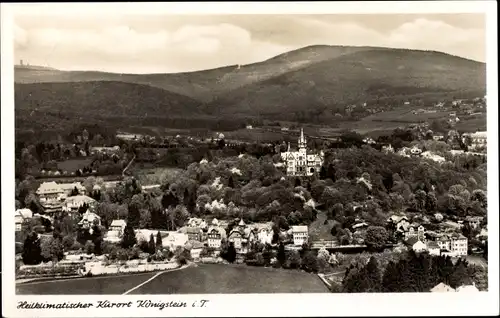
[(302, 163), (22, 215)]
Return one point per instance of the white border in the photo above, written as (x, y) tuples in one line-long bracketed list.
[(258, 304)]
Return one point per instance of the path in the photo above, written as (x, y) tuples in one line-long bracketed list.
[(155, 276), (128, 166)]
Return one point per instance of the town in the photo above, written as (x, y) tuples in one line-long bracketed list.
[(353, 210)]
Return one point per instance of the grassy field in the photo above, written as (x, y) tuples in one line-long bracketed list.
[(232, 279), (73, 164), (104, 285), (318, 230), (202, 279), (147, 174)]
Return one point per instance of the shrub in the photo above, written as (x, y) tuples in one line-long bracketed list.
[(89, 247), (77, 246), (68, 241)]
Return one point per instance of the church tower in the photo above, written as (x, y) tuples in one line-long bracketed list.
[(302, 142)]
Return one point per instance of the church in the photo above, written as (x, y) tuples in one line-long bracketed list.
[(301, 163)]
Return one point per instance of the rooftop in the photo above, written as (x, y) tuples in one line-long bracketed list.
[(299, 228)]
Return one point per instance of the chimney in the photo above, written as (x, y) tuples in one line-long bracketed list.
[(21, 62)]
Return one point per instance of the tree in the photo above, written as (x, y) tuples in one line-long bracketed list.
[(31, 250), (281, 254), (52, 249), (310, 262), (230, 253), (151, 244), (373, 276), (159, 241), (376, 237), (230, 182), (293, 260), (129, 238), (74, 192)]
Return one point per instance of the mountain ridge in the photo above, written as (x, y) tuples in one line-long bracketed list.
[(319, 77)]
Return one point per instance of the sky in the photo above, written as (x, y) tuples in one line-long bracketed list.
[(182, 43)]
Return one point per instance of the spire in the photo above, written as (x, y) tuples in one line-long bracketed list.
[(302, 139)]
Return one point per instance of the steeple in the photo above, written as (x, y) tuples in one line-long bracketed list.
[(302, 140)]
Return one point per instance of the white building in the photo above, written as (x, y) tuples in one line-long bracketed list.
[(302, 163), (433, 248), (69, 187), (300, 234), (454, 245), (21, 216), (419, 247), (118, 225), (51, 196), (215, 235), (265, 235), (175, 239), (72, 204), (89, 219), (478, 139)]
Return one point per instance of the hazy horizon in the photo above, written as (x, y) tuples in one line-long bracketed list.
[(140, 44)]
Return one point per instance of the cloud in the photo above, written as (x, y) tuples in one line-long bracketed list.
[(166, 45)]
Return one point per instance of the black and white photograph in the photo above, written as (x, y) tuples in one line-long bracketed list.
[(202, 154)]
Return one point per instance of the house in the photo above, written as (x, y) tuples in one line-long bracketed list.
[(442, 288), (69, 187), (415, 231), (400, 222), (265, 235), (89, 219), (197, 222), (453, 245), (478, 139), (433, 248), (249, 127), (193, 233), (416, 245), (300, 234), (118, 225), (195, 249), (173, 239), (215, 235), (387, 149), (458, 244), (443, 242), (21, 216), (302, 162), (51, 196), (474, 221), (237, 238), (72, 204)]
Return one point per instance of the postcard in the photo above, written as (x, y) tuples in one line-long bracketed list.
[(249, 159)]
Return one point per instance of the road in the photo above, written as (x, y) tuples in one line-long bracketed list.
[(198, 279)]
